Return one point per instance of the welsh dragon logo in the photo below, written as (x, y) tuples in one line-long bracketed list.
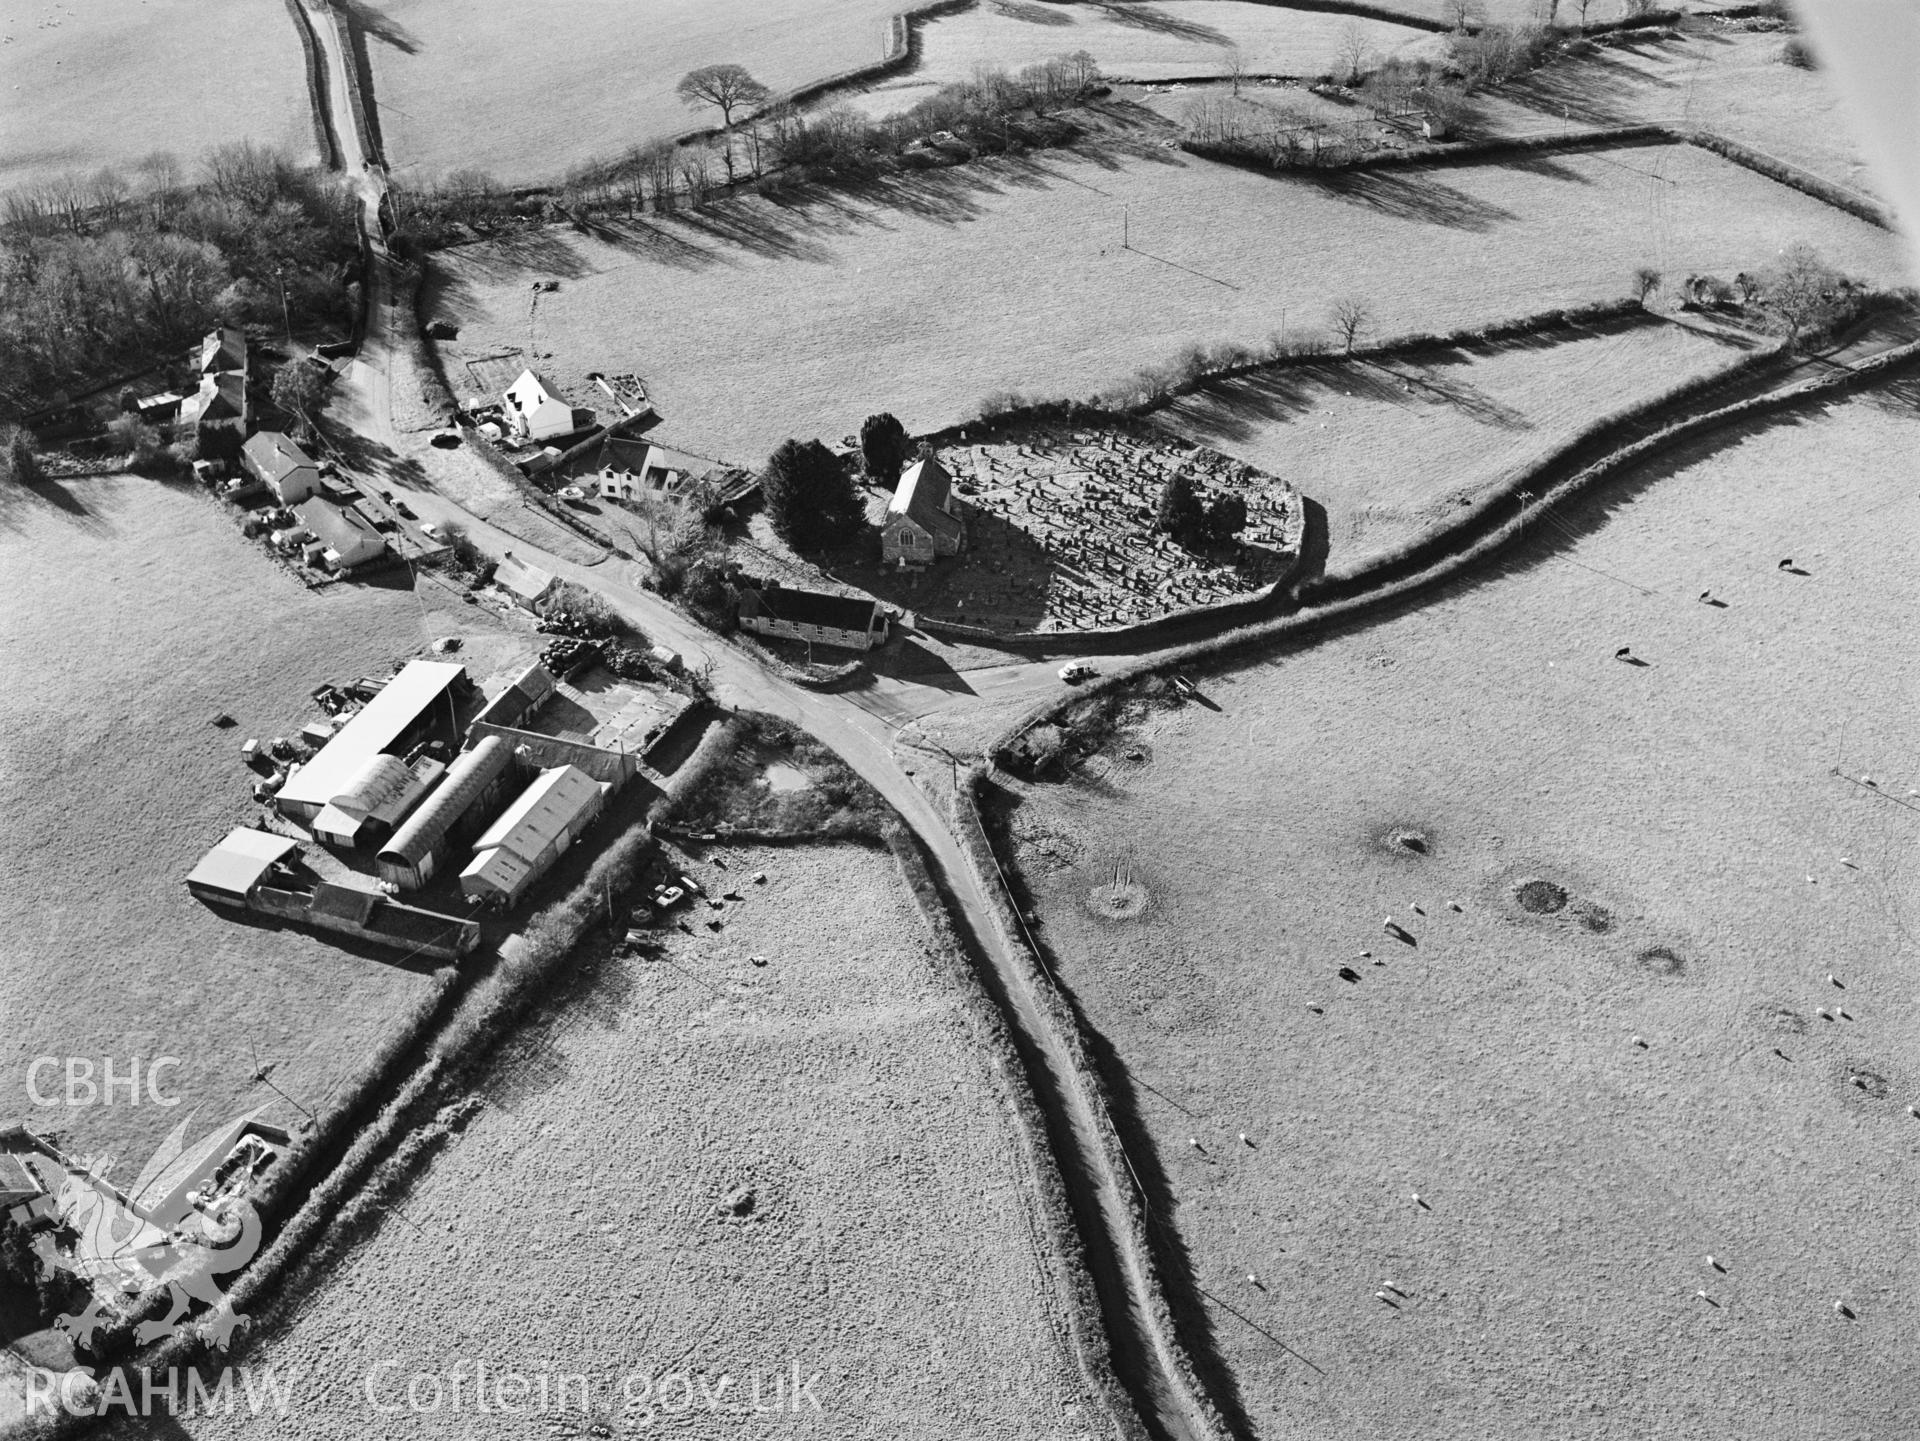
[(183, 1224)]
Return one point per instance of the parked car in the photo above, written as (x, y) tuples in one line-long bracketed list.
[(402, 509), (1075, 671), (665, 898), (430, 530)]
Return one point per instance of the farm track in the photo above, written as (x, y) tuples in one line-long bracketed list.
[(1146, 1351)]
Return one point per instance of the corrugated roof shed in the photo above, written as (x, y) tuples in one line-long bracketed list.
[(471, 773), (527, 582), (404, 699), (235, 866), (543, 811)]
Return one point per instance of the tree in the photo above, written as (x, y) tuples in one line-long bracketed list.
[(298, 389), (1800, 288), (1236, 68), (22, 464), (728, 87), (1179, 514), (1352, 52), (1226, 518), (129, 402), (883, 447), (1646, 280), (1351, 317), (810, 497)]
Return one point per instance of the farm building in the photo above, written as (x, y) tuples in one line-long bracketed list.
[(220, 400), (232, 871), (535, 410), (161, 408), (408, 708), (285, 469), (923, 518), (852, 622), (223, 349), (17, 1183), (345, 537), (376, 799), (534, 832), (207, 1169), (527, 584), (460, 805), (522, 698)]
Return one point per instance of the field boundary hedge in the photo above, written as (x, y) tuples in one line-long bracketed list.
[(1449, 560), (1060, 1013), (331, 157), (968, 972), (1363, 11), (1480, 152), (353, 51)]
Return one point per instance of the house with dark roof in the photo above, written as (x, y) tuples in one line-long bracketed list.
[(347, 537), (852, 622), (282, 466), (923, 518), (221, 400), (224, 349)]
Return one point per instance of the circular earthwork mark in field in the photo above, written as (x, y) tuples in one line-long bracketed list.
[(1661, 961), (1865, 1080), (1404, 841), (1594, 916), (1540, 898), (1118, 901), (1784, 1019)]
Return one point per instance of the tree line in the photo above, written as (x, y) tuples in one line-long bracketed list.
[(111, 272)]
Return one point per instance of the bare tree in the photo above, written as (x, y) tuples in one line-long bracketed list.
[(730, 88), (1457, 13), (1353, 52), (1236, 68), (695, 179), (1351, 317), (1646, 280)]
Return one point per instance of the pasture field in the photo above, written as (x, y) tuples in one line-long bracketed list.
[(921, 294), (1731, 82), (1603, 1143), (1155, 40), (1391, 448), (691, 1164), (478, 86), (134, 613), (108, 81)]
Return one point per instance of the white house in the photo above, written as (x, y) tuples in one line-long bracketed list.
[(923, 518), (284, 467), (535, 411)]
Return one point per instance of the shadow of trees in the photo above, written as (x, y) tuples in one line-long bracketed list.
[(1410, 195), (1138, 16), (19, 503)]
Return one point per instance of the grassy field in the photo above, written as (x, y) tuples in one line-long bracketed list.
[(107, 82), (134, 613), (1710, 875), (1733, 83), (1158, 40), (477, 85), (698, 1165), (759, 320), (1392, 448)]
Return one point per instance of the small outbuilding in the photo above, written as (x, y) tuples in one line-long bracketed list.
[(375, 799), (534, 832), (527, 584), (232, 871), (285, 469), (923, 518)]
